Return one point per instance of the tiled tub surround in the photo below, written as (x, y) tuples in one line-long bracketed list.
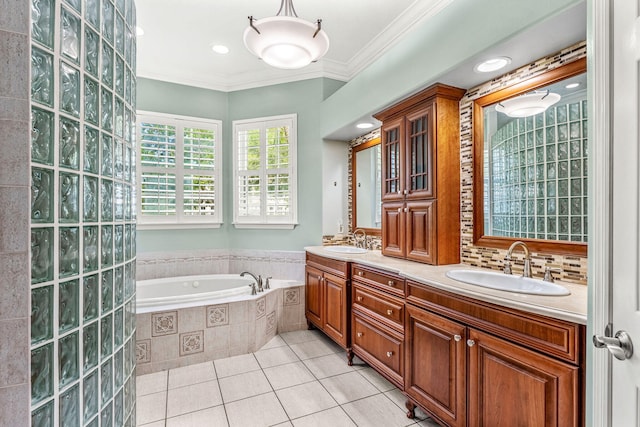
[(574, 268), (229, 327), (224, 328), (82, 213)]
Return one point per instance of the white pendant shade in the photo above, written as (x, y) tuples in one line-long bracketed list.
[(286, 41), (527, 105)]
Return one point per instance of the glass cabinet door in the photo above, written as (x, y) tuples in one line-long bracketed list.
[(420, 156), (392, 160)]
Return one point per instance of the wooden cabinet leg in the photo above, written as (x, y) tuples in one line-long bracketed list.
[(349, 357), (310, 326), (411, 409)]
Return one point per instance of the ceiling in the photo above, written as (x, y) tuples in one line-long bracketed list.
[(179, 34)]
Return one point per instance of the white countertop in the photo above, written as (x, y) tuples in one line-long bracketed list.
[(572, 307)]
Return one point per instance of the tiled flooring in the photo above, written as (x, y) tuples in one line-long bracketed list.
[(298, 379)]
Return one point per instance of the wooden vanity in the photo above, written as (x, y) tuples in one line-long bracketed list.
[(467, 358)]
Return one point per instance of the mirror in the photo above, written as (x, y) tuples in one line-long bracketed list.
[(366, 187), (530, 168)]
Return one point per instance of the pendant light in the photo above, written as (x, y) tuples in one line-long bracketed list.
[(286, 41)]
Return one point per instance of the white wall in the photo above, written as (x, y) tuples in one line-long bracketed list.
[(335, 156)]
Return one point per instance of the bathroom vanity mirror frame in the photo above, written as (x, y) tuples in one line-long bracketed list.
[(480, 239), (354, 187)]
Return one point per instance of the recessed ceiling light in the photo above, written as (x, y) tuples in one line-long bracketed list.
[(139, 31), (364, 125), (572, 85), (221, 49), (492, 64)]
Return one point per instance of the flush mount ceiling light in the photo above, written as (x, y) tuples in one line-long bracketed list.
[(364, 125), (527, 105), (286, 41), (221, 49), (572, 85), (492, 64)]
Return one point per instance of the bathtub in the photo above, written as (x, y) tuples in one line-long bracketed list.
[(190, 291), (192, 319)]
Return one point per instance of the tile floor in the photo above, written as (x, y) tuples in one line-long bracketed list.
[(297, 379)]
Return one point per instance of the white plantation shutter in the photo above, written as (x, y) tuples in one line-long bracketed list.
[(179, 170), (265, 172)]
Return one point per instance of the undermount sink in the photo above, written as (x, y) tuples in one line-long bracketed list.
[(345, 249), (505, 282)]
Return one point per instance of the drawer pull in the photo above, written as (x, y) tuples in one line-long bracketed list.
[(360, 273), (359, 334), (389, 312), (389, 353), (359, 298), (471, 343), (457, 337), (391, 283)]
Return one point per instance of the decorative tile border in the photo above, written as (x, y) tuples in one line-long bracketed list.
[(191, 343), (291, 296), (217, 315), (143, 351), (165, 323)]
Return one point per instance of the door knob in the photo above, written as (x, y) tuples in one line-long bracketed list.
[(620, 346)]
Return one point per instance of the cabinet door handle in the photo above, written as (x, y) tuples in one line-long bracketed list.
[(457, 337), (399, 192), (399, 210), (360, 273), (320, 278), (405, 192), (389, 312), (389, 353), (359, 334), (359, 298), (471, 343), (406, 210), (391, 283)]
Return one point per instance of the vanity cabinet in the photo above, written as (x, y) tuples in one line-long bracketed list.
[(327, 298), (470, 363), (377, 318), (421, 176)]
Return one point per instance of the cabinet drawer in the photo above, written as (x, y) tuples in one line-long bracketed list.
[(386, 307), (381, 347), (339, 268), (384, 281)]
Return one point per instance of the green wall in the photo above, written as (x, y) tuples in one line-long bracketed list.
[(460, 31), (303, 98)]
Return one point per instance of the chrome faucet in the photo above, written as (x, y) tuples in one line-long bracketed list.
[(527, 259), (360, 242), (257, 279)]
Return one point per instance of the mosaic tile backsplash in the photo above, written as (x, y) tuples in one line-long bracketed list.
[(83, 351)]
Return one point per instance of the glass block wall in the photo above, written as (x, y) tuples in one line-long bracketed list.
[(82, 213), (539, 176)]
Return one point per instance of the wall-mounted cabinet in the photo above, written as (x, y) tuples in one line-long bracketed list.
[(421, 176)]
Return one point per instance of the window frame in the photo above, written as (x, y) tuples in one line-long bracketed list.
[(180, 220), (264, 221)]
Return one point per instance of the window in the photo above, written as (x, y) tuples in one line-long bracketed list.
[(179, 171), (264, 167)]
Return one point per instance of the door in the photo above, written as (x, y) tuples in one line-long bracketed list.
[(510, 386), (421, 231), (625, 237), (420, 154), (393, 229), (393, 160), (435, 376), (313, 295), (335, 297)]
